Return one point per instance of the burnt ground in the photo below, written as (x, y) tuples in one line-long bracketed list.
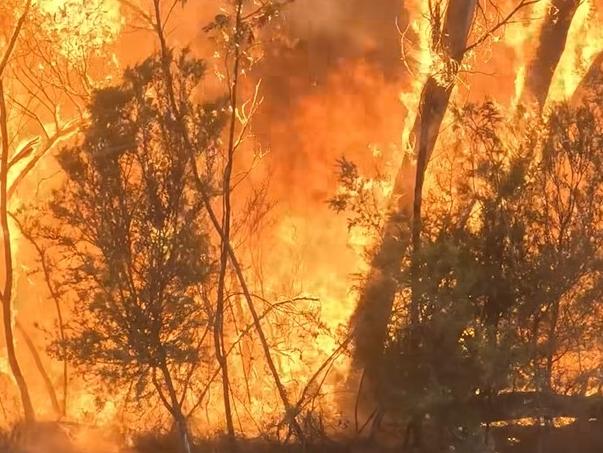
[(579, 437)]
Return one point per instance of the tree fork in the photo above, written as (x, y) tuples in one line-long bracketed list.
[(290, 411)]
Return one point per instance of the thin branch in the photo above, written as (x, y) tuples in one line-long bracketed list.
[(40, 367), (13, 39), (501, 23)]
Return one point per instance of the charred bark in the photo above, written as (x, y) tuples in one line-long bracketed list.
[(375, 304), (591, 80), (551, 45)]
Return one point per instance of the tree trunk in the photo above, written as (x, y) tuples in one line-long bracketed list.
[(592, 79), (226, 222), (8, 266), (174, 406), (185, 443), (374, 308), (290, 411), (553, 37), (57, 304), (40, 366)]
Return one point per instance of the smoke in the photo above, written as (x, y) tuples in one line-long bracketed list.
[(324, 34), (331, 87), (348, 29)]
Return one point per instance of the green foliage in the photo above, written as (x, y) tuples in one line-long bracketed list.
[(359, 197), (133, 229), (240, 39), (512, 255), (509, 268)]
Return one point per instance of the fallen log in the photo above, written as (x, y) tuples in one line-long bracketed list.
[(510, 406), (518, 405)]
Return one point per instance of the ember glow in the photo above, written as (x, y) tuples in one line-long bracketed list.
[(324, 110)]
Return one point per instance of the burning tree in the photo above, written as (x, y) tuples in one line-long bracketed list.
[(452, 33), (133, 233), (454, 30), (552, 41), (209, 178), (46, 78), (508, 300)]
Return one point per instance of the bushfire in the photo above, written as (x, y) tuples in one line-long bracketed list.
[(301, 225)]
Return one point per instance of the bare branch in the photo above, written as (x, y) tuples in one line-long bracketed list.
[(13, 39)]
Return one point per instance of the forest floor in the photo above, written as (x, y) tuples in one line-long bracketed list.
[(583, 437)]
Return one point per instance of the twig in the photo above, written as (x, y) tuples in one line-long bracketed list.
[(506, 20)]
